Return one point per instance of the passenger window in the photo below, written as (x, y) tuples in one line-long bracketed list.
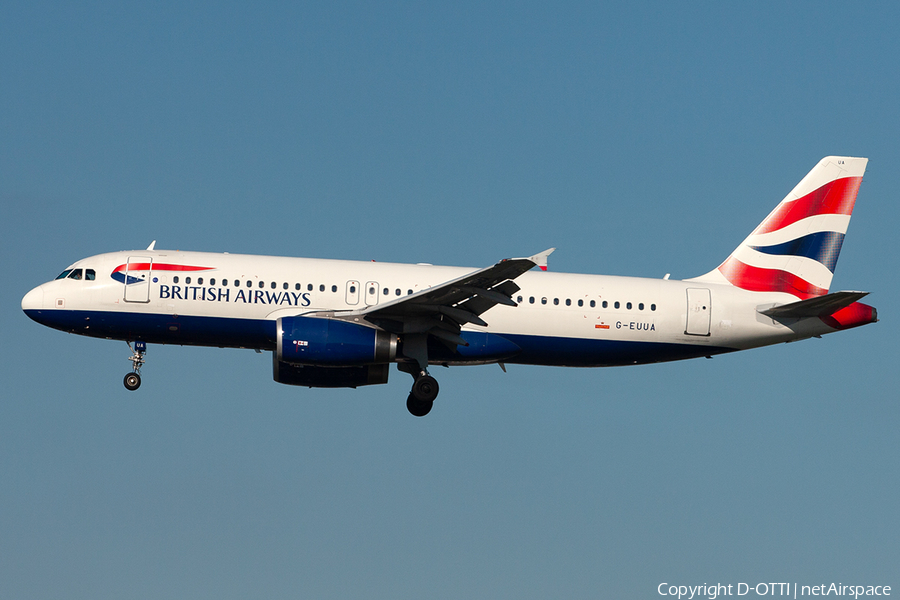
[(593, 304), (556, 301), (175, 279), (284, 286), (334, 288), (531, 300), (308, 287), (274, 285), (187, 280), (581, 303), (321, 287), (75, 274), (605, 304), (199, 281), (409, 292), (617, 305), (90, 275), (519, 299), (212, 281), (385, 291), (628, 306), (297, 286), (262, 284), (64, 274), (652, 307), (397, 292), (641, 306), (249, 283), (544, 300), (568, 302)]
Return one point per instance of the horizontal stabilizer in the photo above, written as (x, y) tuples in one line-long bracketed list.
[(820, 306)]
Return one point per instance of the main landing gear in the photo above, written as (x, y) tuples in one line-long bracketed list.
[(133, 379), (424, 390), (425, 387)]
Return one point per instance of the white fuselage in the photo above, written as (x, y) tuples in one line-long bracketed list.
[(561, 319)]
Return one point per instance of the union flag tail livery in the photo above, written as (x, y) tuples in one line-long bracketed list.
[(338, 323), (795, 249)]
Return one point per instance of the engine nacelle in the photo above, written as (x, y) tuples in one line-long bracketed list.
[(329, 377), (325, 342)]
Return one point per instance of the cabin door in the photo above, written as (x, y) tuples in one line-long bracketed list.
[(138, 271), (699, 309)]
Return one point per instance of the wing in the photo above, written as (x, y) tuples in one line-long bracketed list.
[(443, 309)]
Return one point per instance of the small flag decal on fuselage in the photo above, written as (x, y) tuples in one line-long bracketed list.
[(601, 326)]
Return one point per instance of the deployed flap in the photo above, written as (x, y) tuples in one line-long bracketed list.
[(479, 304), (815, 307)]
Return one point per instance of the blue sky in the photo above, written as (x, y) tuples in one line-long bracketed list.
[(638, 140)]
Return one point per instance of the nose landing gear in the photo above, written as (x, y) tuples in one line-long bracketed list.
[(133, 380)]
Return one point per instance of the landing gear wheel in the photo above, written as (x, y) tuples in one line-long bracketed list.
[(425, 389), (132, 381), (418, 408)]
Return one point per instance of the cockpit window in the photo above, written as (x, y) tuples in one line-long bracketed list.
[(64, 274), (75, 274), (90, 275)]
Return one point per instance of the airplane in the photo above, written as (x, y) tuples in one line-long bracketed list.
[(340, 323)]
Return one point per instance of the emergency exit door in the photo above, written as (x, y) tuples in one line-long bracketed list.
[(371, 293)]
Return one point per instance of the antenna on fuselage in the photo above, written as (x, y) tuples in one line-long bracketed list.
[(152, 244)]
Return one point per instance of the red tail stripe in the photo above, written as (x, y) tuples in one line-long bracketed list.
[(834, 198), (757, 279)]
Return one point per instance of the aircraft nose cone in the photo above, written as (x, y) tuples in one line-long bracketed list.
[(33, 300)]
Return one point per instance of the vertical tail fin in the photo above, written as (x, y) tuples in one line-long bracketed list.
[(795, 249)]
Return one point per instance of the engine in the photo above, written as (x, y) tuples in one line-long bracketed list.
[(324, 352), (330, 342)]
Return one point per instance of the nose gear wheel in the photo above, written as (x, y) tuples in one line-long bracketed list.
[(132, 381)]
